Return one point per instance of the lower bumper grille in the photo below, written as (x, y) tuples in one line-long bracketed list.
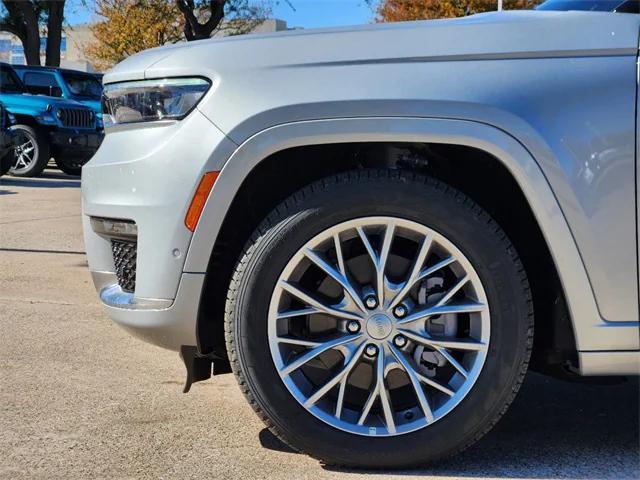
[(124, 258)]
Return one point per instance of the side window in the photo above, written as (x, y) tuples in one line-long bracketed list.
[(630, 6), (42, 84)]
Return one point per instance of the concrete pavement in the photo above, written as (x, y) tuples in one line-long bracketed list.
[(80, 398)]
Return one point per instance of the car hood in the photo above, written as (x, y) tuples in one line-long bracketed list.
[(38, 102), (512, 34), (95, 105)]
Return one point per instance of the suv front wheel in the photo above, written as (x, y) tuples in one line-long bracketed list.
[(379, 319)]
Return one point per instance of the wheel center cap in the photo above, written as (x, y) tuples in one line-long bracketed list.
[(379, 326)]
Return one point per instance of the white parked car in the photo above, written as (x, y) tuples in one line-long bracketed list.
[(367, 224)]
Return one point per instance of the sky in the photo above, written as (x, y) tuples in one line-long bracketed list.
[(323, 13), (305, 13)]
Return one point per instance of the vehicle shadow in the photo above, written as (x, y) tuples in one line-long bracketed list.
[(46, 180), (554, 429)]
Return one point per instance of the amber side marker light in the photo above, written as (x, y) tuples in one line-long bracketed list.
[(199, 199)]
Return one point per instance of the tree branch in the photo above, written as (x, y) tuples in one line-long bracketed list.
[(193, 29), (13, 29), (27, 15), (54, 32)]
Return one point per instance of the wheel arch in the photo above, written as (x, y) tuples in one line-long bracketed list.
[(246, 168), (22, 119)]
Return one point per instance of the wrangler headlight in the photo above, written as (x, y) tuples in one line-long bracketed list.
[(151, 100)]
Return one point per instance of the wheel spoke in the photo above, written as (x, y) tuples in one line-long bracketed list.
[(467, 345), (298, 313), (311, 354), (453, 361), (415, 382), (434, 384), (337, 276), (379, 390), (309, 300), (339, 255), (415, 270), (379, 261), (298, 341), (435, 345), (341, 375), (367, 406), (340, 401), (434, 268), (422, 337), (382, 262), (452, 291), (384, 395), (470, 307)]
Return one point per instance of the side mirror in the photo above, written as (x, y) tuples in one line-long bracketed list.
[(55, 91)]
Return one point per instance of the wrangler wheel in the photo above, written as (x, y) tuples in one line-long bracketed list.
[(31, 151)]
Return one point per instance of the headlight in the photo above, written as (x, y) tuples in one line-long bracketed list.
[(151, 100), (46, 119)]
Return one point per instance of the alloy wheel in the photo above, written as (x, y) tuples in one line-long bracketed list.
[(379, 326), (25, 151)]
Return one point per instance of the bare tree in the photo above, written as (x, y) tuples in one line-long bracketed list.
[(23, 18), (204, 17)]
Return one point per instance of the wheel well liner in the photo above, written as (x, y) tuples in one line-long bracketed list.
[(22, 119)]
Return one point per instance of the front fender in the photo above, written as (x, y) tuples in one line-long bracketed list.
[(591, 331)]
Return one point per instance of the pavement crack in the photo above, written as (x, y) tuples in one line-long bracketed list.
[(35, 300), (37, 219), (37, 250)]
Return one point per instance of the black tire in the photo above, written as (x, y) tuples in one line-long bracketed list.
[(72, 165), (41, 155), (378, 193), (6, 162)]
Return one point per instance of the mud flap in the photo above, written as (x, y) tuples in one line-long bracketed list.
[(198, 368)]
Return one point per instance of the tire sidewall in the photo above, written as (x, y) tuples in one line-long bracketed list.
[(439, 208), (42, 152), (72, 166)]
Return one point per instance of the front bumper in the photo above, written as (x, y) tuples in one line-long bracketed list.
[(75, 141), (165, 323), (147, 176)]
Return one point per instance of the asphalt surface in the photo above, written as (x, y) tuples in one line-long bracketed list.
[(80, 398)]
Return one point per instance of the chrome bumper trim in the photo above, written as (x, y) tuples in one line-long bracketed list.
[(113, 296)]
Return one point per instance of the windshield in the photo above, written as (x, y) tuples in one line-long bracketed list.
[(585, 5), (9, 81), (83, 85)]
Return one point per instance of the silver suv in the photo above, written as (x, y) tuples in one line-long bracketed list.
[(366, 224)]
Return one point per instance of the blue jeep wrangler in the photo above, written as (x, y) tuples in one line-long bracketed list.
[(48, 126), (61, 82)]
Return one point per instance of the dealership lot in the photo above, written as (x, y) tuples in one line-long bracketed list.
[(80, 398)]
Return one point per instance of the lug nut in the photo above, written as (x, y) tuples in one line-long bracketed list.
[(400, 311), (371, 302), (371, 350), (353, 326), (399, 341)]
